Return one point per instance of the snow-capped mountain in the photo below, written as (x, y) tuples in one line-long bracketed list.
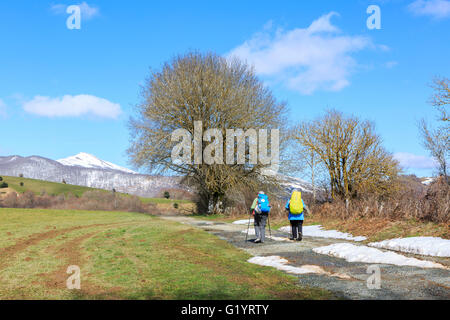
[(86, 160), (100, 174), (427, 181), (290, 184)]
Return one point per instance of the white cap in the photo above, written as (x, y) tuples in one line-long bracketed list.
[(261, 192)]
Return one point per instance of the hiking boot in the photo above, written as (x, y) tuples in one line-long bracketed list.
[(291, 238), (299, 237), (257, 241)]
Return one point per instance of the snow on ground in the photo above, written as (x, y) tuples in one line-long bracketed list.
[(429, 246), (282, 264), (354, 253), (318, 231), (243, 221), (251, 232)]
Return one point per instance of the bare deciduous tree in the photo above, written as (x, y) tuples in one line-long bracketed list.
[(441, 97), (352, 153), (437, 140), (221, 93)]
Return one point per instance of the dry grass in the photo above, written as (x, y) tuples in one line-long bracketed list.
[(90, 200), (431, 204), (6, 191)]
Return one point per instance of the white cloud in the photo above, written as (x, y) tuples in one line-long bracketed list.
[(438, 9), (318, 57), (72, 106), (2, 109), (412, 161), (87, 11), (391, 64)]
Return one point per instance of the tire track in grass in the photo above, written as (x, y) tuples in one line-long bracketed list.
[(71, 253), (22, 244)]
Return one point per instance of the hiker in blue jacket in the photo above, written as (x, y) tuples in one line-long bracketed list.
[(296, 219), (260, 209)]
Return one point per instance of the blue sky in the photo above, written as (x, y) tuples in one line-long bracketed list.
[(67, 91)]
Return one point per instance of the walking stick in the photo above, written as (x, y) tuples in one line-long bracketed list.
[(268, 219)]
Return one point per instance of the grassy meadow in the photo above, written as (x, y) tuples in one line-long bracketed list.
[(125, 255)]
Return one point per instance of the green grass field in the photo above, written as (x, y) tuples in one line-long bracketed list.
[(38, 186), (128, 256)]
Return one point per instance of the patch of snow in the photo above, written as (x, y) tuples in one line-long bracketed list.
[(354, 253), (86, 160), (427, 181), (318, 231), (428, 246), (282, 264), (251, 232), (243, 221)]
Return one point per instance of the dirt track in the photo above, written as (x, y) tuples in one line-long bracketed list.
[(396, 282)]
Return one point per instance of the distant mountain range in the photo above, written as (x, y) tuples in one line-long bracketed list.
[(86, 170)]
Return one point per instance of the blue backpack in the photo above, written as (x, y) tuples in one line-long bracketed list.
[(263, 203)]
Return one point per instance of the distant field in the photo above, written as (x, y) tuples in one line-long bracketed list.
[(54, 188), (128, 256)]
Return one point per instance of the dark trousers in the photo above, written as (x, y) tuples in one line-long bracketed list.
[(297, 228)]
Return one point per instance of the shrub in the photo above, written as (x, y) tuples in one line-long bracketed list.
[(175, 205), (3, 185), (166, 194), (1, 178), (21, 184), (10, 201), (26, 200)]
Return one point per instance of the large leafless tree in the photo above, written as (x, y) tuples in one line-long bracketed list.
[(219, 92)]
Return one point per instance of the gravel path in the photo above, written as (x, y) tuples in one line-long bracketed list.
[(397, 282)]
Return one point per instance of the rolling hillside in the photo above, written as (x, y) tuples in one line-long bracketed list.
[(38, 186), (88, 172), (54, 188)]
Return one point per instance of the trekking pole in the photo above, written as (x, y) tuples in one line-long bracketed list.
[(270, 232)]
